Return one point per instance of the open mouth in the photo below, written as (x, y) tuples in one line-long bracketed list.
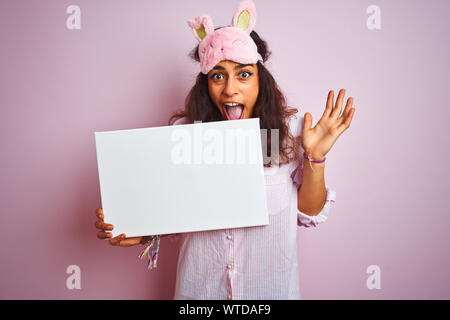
[(235, 112)]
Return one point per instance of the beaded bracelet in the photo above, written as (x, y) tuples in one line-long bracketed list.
[(151, 251)]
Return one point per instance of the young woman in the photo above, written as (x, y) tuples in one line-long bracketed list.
[(255, 262)]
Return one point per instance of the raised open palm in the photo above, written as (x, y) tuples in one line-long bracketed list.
[(318, 141)]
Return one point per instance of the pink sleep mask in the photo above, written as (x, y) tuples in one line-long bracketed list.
[(228, 43)]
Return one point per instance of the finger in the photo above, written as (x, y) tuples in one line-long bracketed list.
[(116, 240), (329, 106), (348, 108), (99, 224), (104, 235), (99, 213), (307, 121), (127, 242), (338, 106), (344, 126)]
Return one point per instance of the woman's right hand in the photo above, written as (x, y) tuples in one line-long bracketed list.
[(121, 240)]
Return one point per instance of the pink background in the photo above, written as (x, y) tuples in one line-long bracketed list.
[(128, 68)]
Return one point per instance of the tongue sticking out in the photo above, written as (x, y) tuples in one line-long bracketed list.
[(235, 112)]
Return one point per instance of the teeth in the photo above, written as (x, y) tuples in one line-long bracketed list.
[(231, 104)]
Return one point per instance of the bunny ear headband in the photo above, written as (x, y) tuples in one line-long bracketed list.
[(228, 43)]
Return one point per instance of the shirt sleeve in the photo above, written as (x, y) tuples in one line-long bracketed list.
[(180, 121), (304, 220)]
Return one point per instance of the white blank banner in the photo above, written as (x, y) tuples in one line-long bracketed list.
[(183, 178)]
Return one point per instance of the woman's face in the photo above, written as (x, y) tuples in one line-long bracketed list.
[(231, 82)]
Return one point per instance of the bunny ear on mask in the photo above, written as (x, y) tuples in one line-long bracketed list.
[(201, 26), (245, 16)]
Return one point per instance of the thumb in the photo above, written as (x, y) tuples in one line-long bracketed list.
[(307, 121)]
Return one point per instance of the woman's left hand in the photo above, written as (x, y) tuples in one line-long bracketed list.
[(318, 141)]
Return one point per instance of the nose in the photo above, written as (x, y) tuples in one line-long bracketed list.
[(231, 87)]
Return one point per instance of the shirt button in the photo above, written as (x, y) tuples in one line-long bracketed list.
[(229, 297), (229, 266), (229, 237)]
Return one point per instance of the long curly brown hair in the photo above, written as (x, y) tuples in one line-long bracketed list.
[(270, 106)]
